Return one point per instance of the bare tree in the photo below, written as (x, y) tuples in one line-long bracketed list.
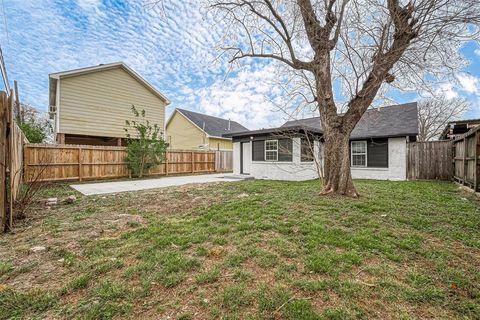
[(361, 44), (435, 113)]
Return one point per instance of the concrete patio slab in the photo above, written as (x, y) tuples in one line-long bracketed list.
[(136, 185)]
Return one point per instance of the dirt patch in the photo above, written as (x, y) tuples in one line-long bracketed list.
[(65, 229)]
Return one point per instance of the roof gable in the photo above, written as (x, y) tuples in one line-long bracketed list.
[(213, 126), (396, 120)]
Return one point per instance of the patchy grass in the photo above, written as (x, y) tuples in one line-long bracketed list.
[(404, 250)]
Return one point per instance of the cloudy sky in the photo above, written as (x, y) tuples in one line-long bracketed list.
[(175, 53)]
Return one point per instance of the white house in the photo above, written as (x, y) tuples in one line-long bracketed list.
[(378, 147)]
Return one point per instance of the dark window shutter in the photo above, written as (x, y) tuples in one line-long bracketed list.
[(377, 153), (285, 148), (258, 150)]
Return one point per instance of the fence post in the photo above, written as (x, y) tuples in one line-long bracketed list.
[(11, 103), (166, 163), (80, 169), (475, 169), (3, 160), (193, 163), (464, 160)]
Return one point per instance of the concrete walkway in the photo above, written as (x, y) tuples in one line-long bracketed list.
[(135, 185)]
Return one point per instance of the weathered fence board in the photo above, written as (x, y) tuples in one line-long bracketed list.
[(17, 142), (82, 162), (429, 160), (466, 165), (12, 140), (224, 161), (3, 159)]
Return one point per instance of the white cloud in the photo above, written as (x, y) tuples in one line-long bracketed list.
[(448, 90), (89, 4), (249, 97), (469, 83)]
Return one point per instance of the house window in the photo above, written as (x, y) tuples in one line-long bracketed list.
[(306, 149), (258, 150), (372, 153), (280, 150), (359, 153), (285, 150), (377, 153), (271, 150)]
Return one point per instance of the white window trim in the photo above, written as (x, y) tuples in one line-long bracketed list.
[(276, 151), (351, 153)]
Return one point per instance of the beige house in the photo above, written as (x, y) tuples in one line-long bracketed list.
[(190, 130), (90, 105)]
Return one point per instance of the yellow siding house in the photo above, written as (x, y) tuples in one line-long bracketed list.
[(190, 130), (90, 105)]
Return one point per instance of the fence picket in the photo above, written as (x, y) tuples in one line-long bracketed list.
[(430, 160)]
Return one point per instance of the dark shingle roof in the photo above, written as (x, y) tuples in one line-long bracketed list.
[(392, 121), (276, 131), (213, 126)]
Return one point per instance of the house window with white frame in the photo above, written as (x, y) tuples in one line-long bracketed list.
[(359, 153), (271, 150)]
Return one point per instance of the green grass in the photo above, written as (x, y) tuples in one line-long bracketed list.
[(5, 267), (14, 304), (403, 250)]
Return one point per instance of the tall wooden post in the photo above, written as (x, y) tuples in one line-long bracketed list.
[(475, 167), (17, 102), (166, 163), (465, 148), (193, 163), (11, 102), (80, 168), (3, 160), (61, 138)]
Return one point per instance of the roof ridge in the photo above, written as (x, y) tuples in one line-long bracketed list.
[(207, 115), (368, 110)]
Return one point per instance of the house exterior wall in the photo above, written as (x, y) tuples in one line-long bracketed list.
[(98, 103), (397, 163), (183, 135), (219, 144), (294, 170), (298, 171)]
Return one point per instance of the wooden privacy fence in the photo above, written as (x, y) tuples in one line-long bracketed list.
[(82, 162), (466, 159), (12, 140), (430, 160)]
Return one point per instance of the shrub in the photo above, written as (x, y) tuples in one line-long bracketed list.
[(146, 147)]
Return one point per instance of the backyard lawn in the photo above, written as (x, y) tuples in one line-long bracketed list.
[(248, 250)]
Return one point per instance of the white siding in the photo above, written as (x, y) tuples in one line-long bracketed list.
[(295, 170), (98, 103), (397, 163)]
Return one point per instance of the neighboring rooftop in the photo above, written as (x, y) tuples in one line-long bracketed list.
[(457, 127), (213, 126), (274, 131), (391, 121)]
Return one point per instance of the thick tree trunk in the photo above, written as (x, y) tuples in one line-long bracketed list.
[(338, 178)]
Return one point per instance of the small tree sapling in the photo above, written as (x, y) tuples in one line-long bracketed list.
[(146, 147)]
